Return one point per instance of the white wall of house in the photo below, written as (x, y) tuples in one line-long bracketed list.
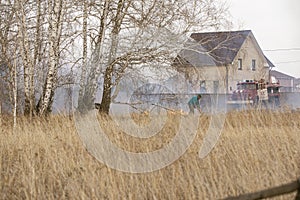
[(249, 63), (214, 78), (210, 79), (253, 64)]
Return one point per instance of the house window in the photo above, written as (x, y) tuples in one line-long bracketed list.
[(253, 66), (202, 86), (240, 66)]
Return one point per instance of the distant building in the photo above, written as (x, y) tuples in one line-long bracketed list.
[(286, 81), (297, 85)]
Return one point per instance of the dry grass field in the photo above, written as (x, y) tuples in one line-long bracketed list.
[(45, 159)]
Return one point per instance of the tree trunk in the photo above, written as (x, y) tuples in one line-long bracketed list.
[(15, 90), (55, 27), (27, 62), (83, 77), (107, 87), (89, 86), (108, 76)]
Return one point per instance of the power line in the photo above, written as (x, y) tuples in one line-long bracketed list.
[(295, 61), (289, 49)]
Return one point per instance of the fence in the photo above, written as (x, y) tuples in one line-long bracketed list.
[(209, 102), (172, 101), (276, 191)]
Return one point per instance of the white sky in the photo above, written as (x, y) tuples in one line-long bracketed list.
[(275, 25)]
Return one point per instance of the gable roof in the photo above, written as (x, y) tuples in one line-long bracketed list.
[(222, 46), (280, 75), (271, 65), (195, 54), (215, 48)]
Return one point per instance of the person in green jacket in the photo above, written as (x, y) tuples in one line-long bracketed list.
[(194, 102)]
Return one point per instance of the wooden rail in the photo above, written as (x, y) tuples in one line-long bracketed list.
[(276, 191)]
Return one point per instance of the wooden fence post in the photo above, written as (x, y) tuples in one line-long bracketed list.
[(276, 191), (298, 192)]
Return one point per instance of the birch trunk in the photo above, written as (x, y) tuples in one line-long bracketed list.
[(15, 91), (27, 62), (107, 88), (108, 76), (55, 27), (84, 59), (37, 45), (37, 53), (87, 98)]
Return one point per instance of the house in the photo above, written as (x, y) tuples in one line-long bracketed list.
[(287, 82), (213, 62)]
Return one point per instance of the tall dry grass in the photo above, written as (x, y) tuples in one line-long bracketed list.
[(45, 159)]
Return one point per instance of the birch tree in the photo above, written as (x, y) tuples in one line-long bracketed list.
[(84, 55), (55, 17), (26, 58), (9, 53), (34, 29), (92, 69)]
